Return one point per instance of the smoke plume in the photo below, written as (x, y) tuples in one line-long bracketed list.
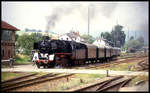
[(58, 13), (106, 9), (94, 9)]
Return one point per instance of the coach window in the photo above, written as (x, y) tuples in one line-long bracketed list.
[(3, 53), (9, 53)]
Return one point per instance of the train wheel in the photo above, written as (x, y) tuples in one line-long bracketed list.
[(80, 62), (38, 65), (84, 62), (72, 62), (64, 62), (76, 62), (44, 66)]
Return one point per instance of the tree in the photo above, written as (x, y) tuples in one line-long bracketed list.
[(131, 38), (16, 37), (107, 36), (141, 40), (134, 44), (118, 36), (89, 38), (25, 42)]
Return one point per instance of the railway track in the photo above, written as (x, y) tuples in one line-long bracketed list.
[(18, 78), (133, 56), (24, 79), (143, 65), (111, 84), (105, 65), (33, 81)]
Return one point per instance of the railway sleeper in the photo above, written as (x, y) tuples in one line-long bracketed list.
[(114, 83), (27, 81), (84, 88), (18, 78), (35, 82)]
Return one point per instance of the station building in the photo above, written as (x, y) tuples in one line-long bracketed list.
[(7, 40)]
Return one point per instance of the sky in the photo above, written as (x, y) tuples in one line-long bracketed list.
[(61, 17)]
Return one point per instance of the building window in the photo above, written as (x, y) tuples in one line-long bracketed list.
[(67, 38), (6, 35)]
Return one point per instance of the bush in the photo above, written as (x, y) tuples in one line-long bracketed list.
[(21, 58)]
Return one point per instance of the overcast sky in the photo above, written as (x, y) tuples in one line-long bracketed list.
[(61, 17)]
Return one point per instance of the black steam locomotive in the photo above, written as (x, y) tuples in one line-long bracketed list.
[(50, 53)]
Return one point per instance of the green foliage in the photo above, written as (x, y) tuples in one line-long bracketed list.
[(118, 36), (25, 42), (141, 40), (121, 67), (134, 44), (131, 38), (107, 36), (21, 60), (16, 37), (89, 38), (137, 44)]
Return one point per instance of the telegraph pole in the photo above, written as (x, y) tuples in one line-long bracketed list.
[(128, 39), (88, 20), (135, 34), (128, 33), (117, 21)]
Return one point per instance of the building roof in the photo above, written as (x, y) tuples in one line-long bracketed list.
[(105, 40), (73, 34), (7, 26)]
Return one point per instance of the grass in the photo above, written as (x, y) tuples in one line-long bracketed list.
[(22, 59), (89, 75), (139, 78), (42, 73), (125, 55), (73, 81), (78, 80), (122, 67), (5, 66), (19, 60), (10, 75)]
